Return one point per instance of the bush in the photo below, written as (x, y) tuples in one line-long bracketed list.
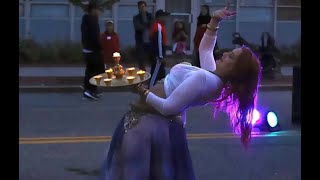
[(28, 50), (61, 52), (67, 52), (291, 55)]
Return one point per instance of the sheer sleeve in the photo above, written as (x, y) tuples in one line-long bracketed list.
[(181, 98), (206, 48)]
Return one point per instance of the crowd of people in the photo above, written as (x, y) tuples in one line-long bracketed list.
[(151, 42)]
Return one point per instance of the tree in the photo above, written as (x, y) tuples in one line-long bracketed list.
[(105, 4)]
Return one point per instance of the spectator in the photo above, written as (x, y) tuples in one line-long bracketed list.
[(90, 38), (110, 43), (158, 37), (142, 23), (202, 21), (267, 51), (179, 37)]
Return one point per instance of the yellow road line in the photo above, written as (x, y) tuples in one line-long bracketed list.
[(70, 141), (189, 135), (64, 138), (91, 139)]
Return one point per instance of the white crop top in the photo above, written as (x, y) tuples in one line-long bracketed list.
[(186, 86)]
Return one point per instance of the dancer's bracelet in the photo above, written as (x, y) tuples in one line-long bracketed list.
[(145, 94), (211, 28)]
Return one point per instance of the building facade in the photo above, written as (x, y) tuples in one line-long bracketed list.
[(50, 20)]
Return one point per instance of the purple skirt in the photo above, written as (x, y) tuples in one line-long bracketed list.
[(148, 146)]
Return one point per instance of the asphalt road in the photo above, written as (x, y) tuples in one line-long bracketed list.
[(76, 135)]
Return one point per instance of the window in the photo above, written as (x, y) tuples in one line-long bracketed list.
[(288, 33), (251, 31), (21, 10), (127, 11), (217, 2), (252, 14), (289, 14), (43, 10), (225, 34), (253, 21), (107, 13), (22, 27), (256, 2), (59, 30), (289, 2), (178, 6), (126, 33)]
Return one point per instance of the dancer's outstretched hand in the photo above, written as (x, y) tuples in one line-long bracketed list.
[(224, 13)]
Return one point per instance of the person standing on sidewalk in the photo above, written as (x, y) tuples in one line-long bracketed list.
[(90, 38), (202, 21), (110, 43), (158, 37), (142, 23), (179, 38)]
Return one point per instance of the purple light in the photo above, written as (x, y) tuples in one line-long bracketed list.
[(256, 116)]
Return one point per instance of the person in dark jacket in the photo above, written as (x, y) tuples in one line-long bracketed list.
[(90, 38), (202, 21), (142, 23)]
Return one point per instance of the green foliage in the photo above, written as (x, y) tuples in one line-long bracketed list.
[(67, 52), (57, 52), (291, 54)]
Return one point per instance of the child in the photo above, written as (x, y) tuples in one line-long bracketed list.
[(110, 43), (179, 37)]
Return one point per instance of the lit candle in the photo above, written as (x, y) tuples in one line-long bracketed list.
[(130, 71), (141, 74), (98, 78), (109, 70), (107, 81), (130, 79), (109, 73)]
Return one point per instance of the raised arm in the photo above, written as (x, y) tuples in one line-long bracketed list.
[(181, 98), (209, 38), (206, 48)]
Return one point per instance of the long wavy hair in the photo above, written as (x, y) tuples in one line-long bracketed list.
[(239, 95)]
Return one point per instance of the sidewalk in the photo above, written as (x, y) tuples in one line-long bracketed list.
[(70, 78)]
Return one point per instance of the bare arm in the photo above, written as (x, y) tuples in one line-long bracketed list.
[(206, 48), (209, 38)]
